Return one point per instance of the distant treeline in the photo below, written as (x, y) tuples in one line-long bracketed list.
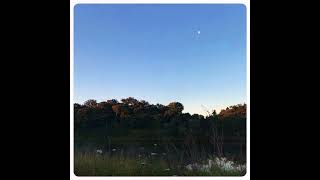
[(131, 114)]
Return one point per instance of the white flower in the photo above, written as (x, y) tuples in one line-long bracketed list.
[(221, 162), (153, 154), (189, 167), (228, 165), (99, 151)]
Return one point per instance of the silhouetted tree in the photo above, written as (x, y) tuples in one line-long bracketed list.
[(130, 101), (90, 103), (112, 102)]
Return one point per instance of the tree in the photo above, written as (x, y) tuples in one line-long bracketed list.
[(172, 114), (130, 101), (90, 103), (186, 117), (176, 107), (144, 103), (76, 106), (81, 117), (112, 101), (106, 114), (121, 111), (116, 109)]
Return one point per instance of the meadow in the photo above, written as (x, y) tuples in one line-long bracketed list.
[(155, 164)]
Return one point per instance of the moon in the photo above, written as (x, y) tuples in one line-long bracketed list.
[(198, 32)]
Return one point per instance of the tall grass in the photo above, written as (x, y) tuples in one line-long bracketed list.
[(94, 164), (130, 160)]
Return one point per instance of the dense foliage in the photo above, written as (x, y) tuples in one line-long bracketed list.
[(131, 116)]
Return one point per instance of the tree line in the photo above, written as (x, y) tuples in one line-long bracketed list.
[(130, 113)]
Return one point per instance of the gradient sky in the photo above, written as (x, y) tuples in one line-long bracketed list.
[(155, 53)]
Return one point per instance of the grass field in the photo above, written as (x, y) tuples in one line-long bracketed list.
[(136, 155), (95, 164)]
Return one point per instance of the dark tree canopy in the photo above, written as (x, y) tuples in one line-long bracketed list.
[(90, 103), (130, 101), (112, 101), (131, 113), (176, 107)]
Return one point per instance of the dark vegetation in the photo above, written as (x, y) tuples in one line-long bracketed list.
[(147, 139), (116, 124)]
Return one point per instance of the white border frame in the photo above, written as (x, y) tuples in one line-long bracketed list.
[(74, 2)]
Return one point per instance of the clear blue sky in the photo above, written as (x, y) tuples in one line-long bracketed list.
[(193, 54)]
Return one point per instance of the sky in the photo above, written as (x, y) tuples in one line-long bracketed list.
[(192, 54)]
